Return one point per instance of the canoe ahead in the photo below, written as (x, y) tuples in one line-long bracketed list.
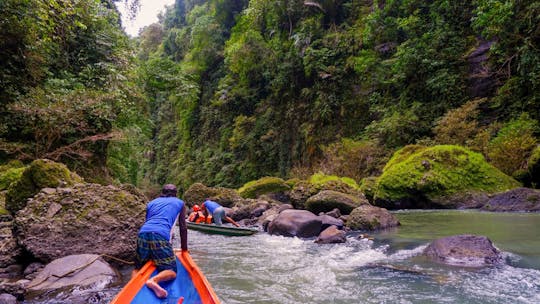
[(190, 285), (223, 230)]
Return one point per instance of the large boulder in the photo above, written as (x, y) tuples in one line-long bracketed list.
[(88, 218), (327, 200), (367, 217), (75, 272), (300, 223), (464, 250), (300, 192), (519, 199), (198, 193), (265, 185), (41, 173), (429, 177)]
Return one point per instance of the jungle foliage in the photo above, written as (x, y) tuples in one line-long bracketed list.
[(228, 91), (291, 88)]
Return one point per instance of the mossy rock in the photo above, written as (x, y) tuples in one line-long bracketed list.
[(301, 191), (368, 186), (367, 217), (533, 168), (3, 211), (321, 179), (328, 200), (262, 186), (198, 193), (427, 176), (10, 172), (41, 173)]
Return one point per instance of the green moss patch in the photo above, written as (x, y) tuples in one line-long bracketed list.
[(10, 172), (320, 179), (327, 200), (439, 171), (39, 174), (262, 186)]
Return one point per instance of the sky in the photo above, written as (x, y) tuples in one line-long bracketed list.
[(147, 15)]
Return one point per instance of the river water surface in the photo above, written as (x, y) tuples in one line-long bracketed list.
[(263, 269), (273, 269)]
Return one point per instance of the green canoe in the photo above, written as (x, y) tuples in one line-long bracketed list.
[(223, 230)]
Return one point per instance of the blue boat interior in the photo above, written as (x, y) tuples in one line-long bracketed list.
[(182, 286)]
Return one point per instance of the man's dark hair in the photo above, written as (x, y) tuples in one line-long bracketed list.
[(169, 190)]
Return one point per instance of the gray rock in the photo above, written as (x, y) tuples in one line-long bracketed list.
[(464, 250), (519, 199), (367, 217), (300, 223), (90, 218), (79, 271), (9, 249), (6, 298), (328, 221)]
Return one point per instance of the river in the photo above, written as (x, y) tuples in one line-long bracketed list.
[(262, 269)]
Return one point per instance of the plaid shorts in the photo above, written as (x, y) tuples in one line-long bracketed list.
[(152, 246)]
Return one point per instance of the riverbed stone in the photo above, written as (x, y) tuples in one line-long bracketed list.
[(367, 217), (327, 221), (464, 250), (520, 199), (80, 271), (292, 222), (331, 235), (265, 185), (87, 218), (428, 177), (327, 200)]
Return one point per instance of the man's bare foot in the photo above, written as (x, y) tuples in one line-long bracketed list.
[(158, 290)]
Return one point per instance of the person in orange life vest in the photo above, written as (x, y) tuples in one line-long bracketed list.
[(197, 215), (217, 212), (154, 238)]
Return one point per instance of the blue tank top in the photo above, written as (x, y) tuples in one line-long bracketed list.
[(161, 214), (211, 206)]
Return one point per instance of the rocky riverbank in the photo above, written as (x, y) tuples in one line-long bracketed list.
[(47, 220)]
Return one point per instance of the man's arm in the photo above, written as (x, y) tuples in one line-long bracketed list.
[(182, 227), (230, 220)]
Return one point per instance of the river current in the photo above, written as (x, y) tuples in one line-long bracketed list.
[(388, 268)]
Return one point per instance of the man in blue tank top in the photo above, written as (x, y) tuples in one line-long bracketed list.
[(217, 212), (154, 239)]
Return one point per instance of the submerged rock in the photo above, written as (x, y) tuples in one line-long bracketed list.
[(88, 218), (464, 250)]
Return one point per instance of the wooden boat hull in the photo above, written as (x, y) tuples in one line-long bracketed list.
[(223, 230), (190, 286)]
